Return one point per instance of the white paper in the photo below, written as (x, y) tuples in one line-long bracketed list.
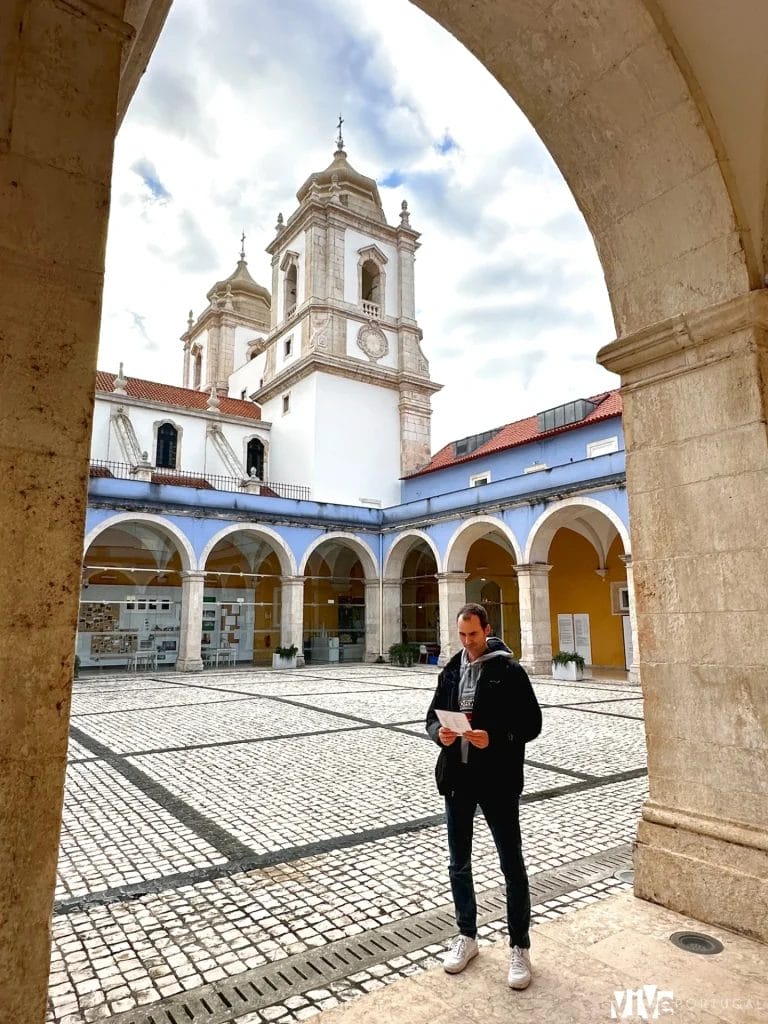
[(456, 721)]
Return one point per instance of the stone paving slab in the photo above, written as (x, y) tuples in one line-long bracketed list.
[(195, 864)]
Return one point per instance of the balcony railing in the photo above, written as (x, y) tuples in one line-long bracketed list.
[(372, 309), (102, 469)]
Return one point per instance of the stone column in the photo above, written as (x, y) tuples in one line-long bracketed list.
[(695, 412), (634, 668), (452, 594), (292, 612), (535, 622), (191, 630), (393, 614), (59, 76), (372, 619)]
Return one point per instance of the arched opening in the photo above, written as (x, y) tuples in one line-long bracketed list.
[(242, 600), (254, 462), (291, 289), (197, 375), (491, 582), (167, 446), (130, 599), (334, 604), (584, 542), (419, 601), (371, 283)]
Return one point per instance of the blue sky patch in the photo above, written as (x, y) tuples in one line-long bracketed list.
[(148, 174), (447, 143)]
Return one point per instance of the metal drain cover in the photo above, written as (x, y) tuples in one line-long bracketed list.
[(626, 875), (696, 942)]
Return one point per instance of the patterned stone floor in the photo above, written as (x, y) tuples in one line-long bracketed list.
[(215, 823)]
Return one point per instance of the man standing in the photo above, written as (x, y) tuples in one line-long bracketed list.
[(484, 767)]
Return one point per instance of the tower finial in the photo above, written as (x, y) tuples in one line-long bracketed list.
[(242, 246), (340, 140)]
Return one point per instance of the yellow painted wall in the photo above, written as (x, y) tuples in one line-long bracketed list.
[(575, 587)]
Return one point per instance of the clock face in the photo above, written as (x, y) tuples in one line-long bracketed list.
[(373, 342)]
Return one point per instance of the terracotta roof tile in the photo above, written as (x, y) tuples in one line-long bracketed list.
[(521, 432), (182, 398)]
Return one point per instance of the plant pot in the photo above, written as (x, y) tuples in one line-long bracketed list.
[(570, 671), (282, 663)]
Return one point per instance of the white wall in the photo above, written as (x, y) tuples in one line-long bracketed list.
[(100, 434), (353, 241), (193, 453), (355, 352), (357, 442), (246, 378), (292, 447)]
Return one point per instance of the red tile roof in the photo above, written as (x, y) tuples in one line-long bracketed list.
[(182, 398), (521, 432)]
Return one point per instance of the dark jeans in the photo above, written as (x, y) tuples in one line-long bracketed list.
[(503, 816)]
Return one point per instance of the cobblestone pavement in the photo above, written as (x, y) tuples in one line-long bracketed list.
[(214, 824)]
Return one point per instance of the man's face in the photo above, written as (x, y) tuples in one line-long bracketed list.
[(472, 635)]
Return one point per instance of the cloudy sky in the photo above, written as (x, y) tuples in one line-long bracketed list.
[(239, 106)]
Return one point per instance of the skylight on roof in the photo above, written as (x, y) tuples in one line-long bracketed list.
[(467, 445), (564, 415)]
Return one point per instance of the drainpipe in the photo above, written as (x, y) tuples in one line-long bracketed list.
[(381, 596)]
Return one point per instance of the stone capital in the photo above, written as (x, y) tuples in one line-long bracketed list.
[(687, 341), (452, 577), (192, 576), (532, 569), (295, 581)]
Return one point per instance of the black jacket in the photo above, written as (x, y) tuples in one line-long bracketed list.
[(506, 707)]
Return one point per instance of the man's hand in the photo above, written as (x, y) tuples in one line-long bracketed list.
[(478, 738), (447, 736)]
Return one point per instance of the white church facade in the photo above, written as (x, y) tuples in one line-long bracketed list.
[(239, 512)]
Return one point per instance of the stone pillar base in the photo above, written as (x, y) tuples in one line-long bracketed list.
[(189, 665), (537, 666), (715, 880)]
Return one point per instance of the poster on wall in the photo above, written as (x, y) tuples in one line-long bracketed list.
[(573, 634)]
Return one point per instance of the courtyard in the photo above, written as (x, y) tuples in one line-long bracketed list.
[(259, 846)]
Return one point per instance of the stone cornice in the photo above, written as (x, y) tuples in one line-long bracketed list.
[(686, 341), (219, 316), (203, 414), (341, 366), (316, 213)]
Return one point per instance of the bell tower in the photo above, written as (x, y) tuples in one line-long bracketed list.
[(342, 374)]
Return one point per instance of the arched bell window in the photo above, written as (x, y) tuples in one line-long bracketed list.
[(167, 445)]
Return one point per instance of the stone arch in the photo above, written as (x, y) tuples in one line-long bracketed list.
[(395, 557), (172, 532), (284, 554), (618, 106), (474, 529), (568, 513), (361, 549)]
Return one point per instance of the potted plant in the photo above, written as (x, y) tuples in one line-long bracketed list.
[(285, 657), (403, 654), (76, 670), (568, 665)]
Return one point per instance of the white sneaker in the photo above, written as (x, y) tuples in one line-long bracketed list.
[(461, 952), (519, 968)]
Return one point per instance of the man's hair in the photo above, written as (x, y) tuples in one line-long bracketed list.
[(473, 609)]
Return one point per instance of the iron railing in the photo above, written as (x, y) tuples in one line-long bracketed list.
[(102, 468)]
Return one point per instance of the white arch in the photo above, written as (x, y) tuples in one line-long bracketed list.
[(281, 549), (394, 560), (550, 521), (364, 552), (475, 529), (186, 551)]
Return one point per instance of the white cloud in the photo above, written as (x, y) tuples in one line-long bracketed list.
[(235, 112)]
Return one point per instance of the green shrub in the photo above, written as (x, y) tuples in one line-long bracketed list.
[(563, 657), (403, 654)]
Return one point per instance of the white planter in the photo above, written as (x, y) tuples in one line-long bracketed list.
[(281, 663), (569, 671)]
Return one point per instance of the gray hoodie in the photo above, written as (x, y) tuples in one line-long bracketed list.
[(469, 675)]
